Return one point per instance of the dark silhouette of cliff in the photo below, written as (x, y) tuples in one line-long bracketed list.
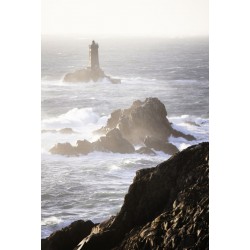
[(166, 207)]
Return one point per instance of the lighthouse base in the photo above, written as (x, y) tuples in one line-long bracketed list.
[(88, 75)]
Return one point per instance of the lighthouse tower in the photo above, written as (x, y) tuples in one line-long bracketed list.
[(93, 56)]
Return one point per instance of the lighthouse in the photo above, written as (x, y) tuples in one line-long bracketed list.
[(92, 72), (93, 56)]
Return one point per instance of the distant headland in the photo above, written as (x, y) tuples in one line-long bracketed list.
[(93, 72)]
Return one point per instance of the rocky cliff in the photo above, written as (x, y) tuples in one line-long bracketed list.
[(166, 207)]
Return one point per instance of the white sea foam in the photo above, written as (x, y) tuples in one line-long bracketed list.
[(51, 221), (196, 126), (74, 118), (82, 121)]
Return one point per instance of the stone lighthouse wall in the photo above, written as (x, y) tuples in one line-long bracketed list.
[(93, 56)]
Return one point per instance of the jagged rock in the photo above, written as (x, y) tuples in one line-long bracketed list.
[(135, 125), (146, 151), (67, 238), (166, 208), (84, 147), (160, 145), (147, 118), (114, 119), (63, 149), (177, 133), (114, 142)]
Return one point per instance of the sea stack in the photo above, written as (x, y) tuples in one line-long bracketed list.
[(93, 72)]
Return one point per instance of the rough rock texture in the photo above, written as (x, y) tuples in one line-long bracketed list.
[(143, 123), (160, 145), (166, 208), (84, 147), (67, 238), (63, 149), (143, 119), (112, 142), (87, 75)]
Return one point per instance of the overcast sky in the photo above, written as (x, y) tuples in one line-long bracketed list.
[(152, 18)]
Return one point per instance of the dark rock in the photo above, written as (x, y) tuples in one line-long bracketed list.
[(84, 147), (67, 238), (146, 151), (177, 133), (166, 208), (114, 119), (147, 118), (160, 145), (63, 149), (100, 241), (114, 142), (142, 122)]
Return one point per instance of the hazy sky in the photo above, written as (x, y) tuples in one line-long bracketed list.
[(156, 18)]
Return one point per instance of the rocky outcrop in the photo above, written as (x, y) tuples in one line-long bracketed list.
[(166, 208), (84, 147), (142, 119), (67, 238), (114, 142), (143, 123), (160, 145), (63, 149), (111, 142), (87, 75)]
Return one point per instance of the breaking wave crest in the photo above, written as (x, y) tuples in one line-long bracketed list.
[(82, 123)]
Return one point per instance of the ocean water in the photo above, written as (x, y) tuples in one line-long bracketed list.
[(93, 186)]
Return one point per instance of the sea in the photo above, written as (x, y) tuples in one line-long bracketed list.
[(93, 186)]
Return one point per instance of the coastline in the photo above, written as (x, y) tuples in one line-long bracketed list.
[(166, 206)]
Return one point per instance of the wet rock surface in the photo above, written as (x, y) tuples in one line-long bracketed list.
[(67, 238), (111, 142), (166, 207), (160, 145), (114, 142), (142, 119)]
